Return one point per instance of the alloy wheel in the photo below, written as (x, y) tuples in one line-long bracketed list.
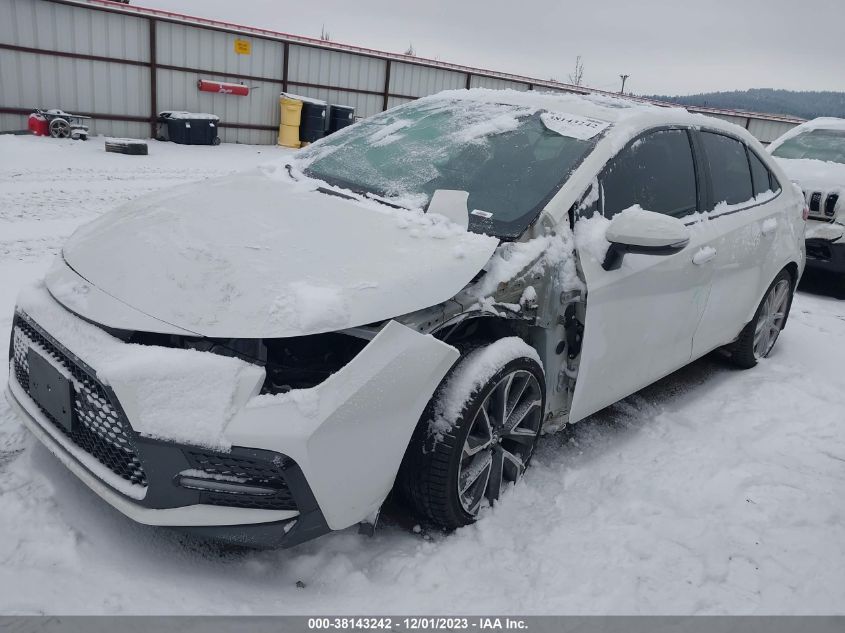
[(500, 439), (771, 318)]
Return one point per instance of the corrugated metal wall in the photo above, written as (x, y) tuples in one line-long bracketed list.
[(768, 131), (477, 81), (32, 80), (87, 59), (418, 81), (311, 71), (70, 29)]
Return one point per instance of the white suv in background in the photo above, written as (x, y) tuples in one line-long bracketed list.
[(813, 156), (405, 306)]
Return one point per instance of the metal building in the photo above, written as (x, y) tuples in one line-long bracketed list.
[(122, 64)]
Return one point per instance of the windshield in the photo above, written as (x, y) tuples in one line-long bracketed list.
[(827, 145), (503, 156)]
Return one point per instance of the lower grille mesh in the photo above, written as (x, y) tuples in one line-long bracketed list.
[(100, 429), (252, 472)]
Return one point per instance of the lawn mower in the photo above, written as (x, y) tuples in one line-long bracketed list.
[(58, 124)]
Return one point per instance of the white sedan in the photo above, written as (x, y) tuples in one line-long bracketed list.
[(404, 307)]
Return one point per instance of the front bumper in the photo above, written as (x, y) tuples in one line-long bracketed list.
[(328, 454), (826, 255), (233, 524)]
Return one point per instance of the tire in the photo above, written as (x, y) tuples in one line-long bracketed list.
[(134, 148), (215, 140), (463, 439), (758, 338)]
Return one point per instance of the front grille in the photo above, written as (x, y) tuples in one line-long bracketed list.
[(821, 207), (250, 471), (830, 204), (100, 428), (815, 201)]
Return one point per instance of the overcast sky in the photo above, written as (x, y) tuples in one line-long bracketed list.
[(666, 46)]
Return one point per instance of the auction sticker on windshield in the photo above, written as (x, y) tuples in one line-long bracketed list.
[(580, 127)]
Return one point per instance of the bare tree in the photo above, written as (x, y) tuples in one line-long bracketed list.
[(325, 35), (576, 78), (411, 51)]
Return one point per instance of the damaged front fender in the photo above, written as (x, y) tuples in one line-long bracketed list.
[(349, 433)]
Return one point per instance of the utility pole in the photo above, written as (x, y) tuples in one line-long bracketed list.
[(623, 78)]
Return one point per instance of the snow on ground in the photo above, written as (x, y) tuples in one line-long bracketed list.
[(713, 491)]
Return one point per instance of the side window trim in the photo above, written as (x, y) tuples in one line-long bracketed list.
[(702, 172), (754, 192), (774, 184), (698, 171), (711, 204)]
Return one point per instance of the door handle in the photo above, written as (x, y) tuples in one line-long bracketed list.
[(704, 255), (769, 226)]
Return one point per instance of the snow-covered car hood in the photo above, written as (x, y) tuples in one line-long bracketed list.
[(257, 255), (814, 175)]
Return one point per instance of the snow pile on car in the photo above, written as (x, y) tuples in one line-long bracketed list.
[(475, 370), (549, 253), (172, 394), (259, 255)]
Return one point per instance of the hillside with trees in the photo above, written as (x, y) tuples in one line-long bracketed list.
[(807, 105)]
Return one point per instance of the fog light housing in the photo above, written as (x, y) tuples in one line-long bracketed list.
[(228, 485)]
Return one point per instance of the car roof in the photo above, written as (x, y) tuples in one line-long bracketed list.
[(628, 114), (820, 123), (823, 123)]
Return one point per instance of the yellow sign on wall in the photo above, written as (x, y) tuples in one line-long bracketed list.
[(243, 47)]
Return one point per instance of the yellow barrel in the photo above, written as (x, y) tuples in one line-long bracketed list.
[(291, 110), (289, 135), (290, 119)]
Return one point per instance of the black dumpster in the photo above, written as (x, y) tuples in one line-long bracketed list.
[(340, 116), (312, 126), (188, 128)]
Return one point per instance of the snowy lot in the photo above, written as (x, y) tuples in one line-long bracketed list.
[(713, 491)]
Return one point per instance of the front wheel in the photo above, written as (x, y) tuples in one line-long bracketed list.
[(758, 338), (477, 435)]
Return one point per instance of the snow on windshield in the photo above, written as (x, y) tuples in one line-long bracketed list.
[(816, 144), (508, 158)]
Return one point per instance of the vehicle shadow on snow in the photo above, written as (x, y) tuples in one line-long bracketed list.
[(606, 429), (100, 526), (823, 283)]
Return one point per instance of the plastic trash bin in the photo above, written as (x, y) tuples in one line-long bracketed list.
[(313, 125), (188, 128), (340, 116)]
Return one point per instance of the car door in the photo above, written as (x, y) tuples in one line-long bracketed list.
[(640, 319), (745, 213)]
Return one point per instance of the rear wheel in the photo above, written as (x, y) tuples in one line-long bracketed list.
[(477, 435), (758, 338)]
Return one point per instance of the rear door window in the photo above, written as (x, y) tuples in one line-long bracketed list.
[(657, 172), (764, 180), (730, 172)]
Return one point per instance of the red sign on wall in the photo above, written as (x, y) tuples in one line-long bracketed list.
[(221, 87)]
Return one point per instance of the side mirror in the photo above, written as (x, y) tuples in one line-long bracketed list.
[(451, 203), (646, 232)]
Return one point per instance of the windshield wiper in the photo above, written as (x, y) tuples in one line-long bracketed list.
[(384, 201), (335, 192), (355, 189)]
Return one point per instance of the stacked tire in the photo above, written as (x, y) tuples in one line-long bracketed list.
[(133, 148)]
